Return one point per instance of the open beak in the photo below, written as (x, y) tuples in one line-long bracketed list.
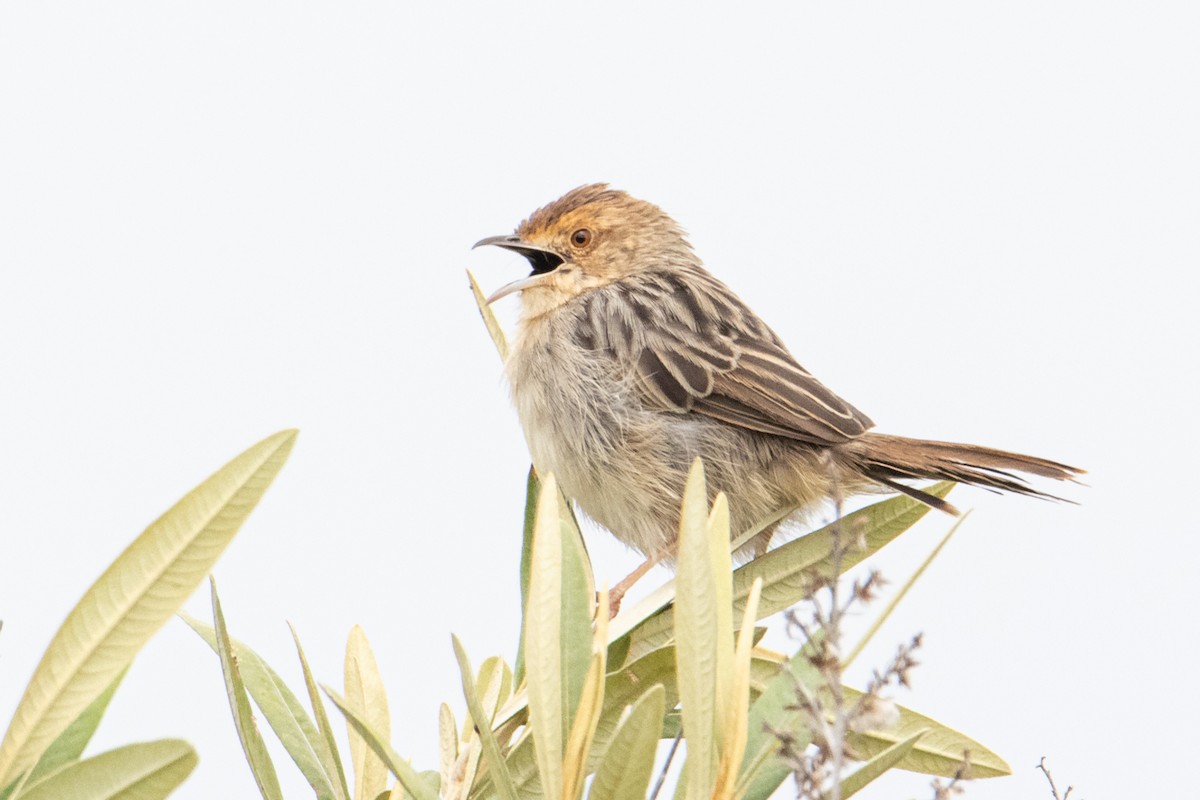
[(542, 259)]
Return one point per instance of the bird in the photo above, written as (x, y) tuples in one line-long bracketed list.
[(630, 360)]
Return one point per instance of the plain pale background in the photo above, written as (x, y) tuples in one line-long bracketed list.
[(976, 222)]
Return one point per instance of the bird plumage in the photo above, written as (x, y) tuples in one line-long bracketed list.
[(631, 360)]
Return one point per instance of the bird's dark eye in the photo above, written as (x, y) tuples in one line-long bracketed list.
[(581, 237)]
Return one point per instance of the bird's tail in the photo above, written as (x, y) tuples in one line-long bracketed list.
[(889, 459)]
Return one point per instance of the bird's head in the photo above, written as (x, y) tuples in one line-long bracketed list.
[(587, 239)]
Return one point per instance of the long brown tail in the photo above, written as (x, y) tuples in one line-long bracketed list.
[(886, 459)]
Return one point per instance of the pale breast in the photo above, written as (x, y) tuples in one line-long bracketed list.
[(584, 422)]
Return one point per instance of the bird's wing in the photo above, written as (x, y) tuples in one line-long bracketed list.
[(696, 348)]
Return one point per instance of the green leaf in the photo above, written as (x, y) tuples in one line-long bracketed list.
[(147, 771), (784, 569), (761, 770), (558, 635), (243, 716), (329, 752), (698, 638), (939, 751), (70, 744), (495, 680), (625, 771), (533, 489), (499, 770), (879, 765), (283, 712), (621, 689), (489, 319), (447, 745), (549, 705), (366, 695), (419, 784), (140, 591)]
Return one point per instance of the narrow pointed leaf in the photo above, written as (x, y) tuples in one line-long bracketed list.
[(365, 694), (549, 700), (139, 592), (533, 488), (415, 783), (243, 717), (329, 753), (499, 769), (283, 712), (621, 689), (938, 752), (579, 742), (783, 569), (720, 570), (733, 741), (625, 772), (70, 744), (697, 637), (147, 771), (762, 772), (558, 644), (494, 328), (879, 765), (447, 744), (494, 684)]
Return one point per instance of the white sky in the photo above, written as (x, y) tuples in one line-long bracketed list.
[(977, 223)]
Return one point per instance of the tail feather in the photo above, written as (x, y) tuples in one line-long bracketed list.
[(886, 459)]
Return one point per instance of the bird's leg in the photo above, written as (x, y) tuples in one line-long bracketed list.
[(616, 593)]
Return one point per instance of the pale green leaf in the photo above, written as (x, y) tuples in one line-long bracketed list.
[(579, 742), (283, 712), (133, 598), (549, 703), (783, 569), (627, 766), (329, 753), (761, 771), (495, 681), (621, 689), (720, 569), (147, 771), (734, 738), (70, 744), (533, 489), (879, 765), (447, 744), (558, 645), (365, 694), (697, 638), (939, 751), (491, 748), (419, 785), (243, 716), (489, 319)]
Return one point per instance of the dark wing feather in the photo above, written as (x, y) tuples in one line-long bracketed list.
[(696, 348)]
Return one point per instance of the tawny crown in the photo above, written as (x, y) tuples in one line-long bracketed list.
[(606, 232)]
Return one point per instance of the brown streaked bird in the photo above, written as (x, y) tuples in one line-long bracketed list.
[(630, 360)]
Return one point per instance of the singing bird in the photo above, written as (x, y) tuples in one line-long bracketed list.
[(630, 360)]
